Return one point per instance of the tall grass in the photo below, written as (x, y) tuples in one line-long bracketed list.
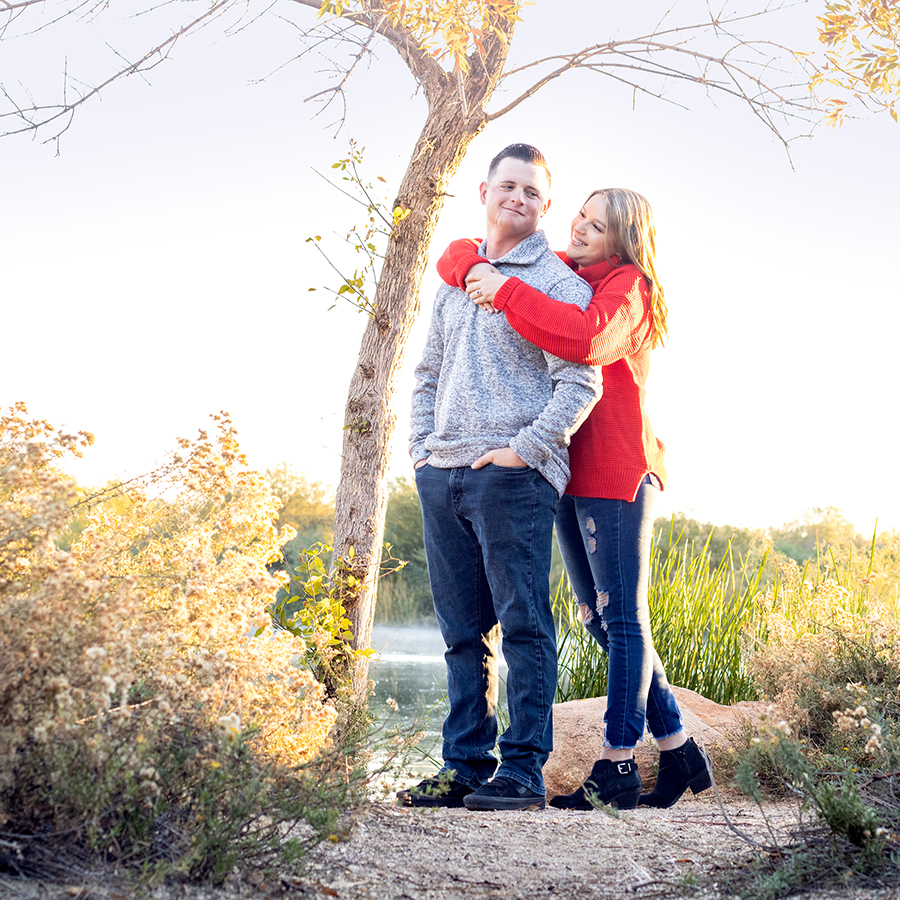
[(400, 603), (701, 616), (853, 581)]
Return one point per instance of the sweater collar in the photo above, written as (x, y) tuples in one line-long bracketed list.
[(525, 253), (596, 272)]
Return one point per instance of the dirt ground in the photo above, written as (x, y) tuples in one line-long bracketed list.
[(393, 853)]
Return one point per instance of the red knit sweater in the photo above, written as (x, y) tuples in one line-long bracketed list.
[(615, 448)]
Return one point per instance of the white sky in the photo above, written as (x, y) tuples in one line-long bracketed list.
[(156, 271)]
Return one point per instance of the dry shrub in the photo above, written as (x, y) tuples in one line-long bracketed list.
[(148, 710), (827, 645), (831, 664)]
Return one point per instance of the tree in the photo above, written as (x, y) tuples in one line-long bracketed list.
[(306, 506), (456, 52), (863, 41), (719, 540), (814, 534)]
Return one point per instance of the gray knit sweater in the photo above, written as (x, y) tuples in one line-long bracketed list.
[(481, 386)]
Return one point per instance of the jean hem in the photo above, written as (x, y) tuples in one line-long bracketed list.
[(525, 782), (608, 746), (459, 778)]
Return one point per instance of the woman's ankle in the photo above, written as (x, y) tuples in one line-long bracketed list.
[(617, 755), (672, 742)]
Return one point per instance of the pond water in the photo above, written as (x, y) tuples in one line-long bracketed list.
[(408, 669)]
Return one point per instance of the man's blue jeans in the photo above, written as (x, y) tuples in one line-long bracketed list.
[(488, 538), (605, 545)]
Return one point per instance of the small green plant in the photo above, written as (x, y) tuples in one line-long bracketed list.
[(244, 813), (836, 800), (367, 240), (310, 607)]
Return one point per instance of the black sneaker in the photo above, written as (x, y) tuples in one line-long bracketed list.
[(438, 790), (504, 793)]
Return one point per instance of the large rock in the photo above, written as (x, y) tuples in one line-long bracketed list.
[(578, 736)]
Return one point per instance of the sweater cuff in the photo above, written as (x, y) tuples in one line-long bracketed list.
[(463, 264), (502, 297)]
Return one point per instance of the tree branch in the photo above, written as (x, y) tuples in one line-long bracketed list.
[(668, 55), (714, 72), (6, 6), (34, 116), (31, 115), (422, 66), (348, 71), (15, 10)]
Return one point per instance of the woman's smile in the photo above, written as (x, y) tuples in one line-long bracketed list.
[(587, 243)]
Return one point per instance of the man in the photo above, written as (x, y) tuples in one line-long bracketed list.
[(491, 420)]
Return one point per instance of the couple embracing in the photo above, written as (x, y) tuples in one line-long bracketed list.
[(529, 409)]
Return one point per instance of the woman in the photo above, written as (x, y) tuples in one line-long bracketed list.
[(605, 520)]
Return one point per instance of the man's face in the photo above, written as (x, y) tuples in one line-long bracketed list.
[(516, 198)]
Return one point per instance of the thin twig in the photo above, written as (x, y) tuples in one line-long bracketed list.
[(731, 826)]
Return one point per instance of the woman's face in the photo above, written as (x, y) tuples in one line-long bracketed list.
[(587, 241)]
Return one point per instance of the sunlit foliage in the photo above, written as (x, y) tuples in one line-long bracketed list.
[(829, 660), (148, 710), (446, 29), (862, 38)]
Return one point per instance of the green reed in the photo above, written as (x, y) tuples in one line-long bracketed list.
[(701, 616)]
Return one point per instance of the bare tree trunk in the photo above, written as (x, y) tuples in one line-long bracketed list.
[(369, 422)]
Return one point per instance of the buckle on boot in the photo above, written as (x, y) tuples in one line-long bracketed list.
[(624, 768)]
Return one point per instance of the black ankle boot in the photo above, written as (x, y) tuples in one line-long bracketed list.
[(613, 783), (679, 769)]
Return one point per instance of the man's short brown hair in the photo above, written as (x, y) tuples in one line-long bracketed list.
[(525, 153)]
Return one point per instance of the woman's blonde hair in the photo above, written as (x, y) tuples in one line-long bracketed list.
[(631, 235)]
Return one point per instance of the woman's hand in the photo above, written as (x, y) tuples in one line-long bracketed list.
[(482, 284), (504, 456)]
